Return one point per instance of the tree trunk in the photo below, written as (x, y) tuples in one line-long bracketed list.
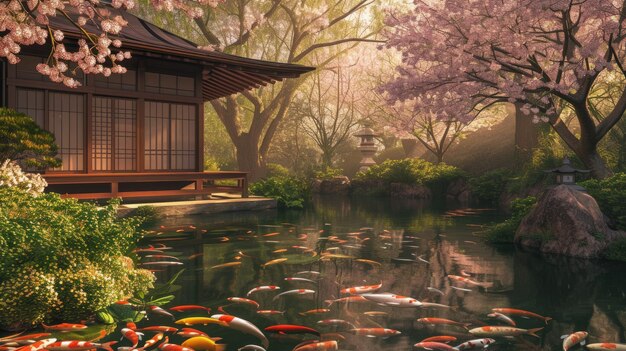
[(248, 158), (595, 163)]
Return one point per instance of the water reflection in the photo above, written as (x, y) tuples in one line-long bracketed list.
[(417, 248)]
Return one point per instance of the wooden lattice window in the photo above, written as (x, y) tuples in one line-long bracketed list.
[(170, 84), (66, 120), (114, 136), (170, 136)]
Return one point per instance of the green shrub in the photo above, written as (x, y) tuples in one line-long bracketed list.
[(610, 193), (276, 170), (63, 258), (148, 215), (328, 173), (23, 141), (410, 171), (616, 250), (289, 192), (488, 187), (504, 233)]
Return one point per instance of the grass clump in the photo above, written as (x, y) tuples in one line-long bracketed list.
[(504, 232)]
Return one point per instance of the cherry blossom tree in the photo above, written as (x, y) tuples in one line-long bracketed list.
[(460, 57), (28, 22)]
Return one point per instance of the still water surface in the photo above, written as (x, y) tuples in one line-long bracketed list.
[(400, 235)]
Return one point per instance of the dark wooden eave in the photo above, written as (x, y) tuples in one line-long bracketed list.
[(223, 74)]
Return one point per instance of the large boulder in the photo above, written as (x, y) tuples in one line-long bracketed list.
[(458, 190), (566, 221)]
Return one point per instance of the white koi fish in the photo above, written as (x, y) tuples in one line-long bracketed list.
[(361, 289), (482, 343), (243, 326), (294, 292), (573, 339), (393, 300), (263, 288)]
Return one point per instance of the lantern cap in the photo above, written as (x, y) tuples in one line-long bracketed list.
[(365, 132), (567, 168)]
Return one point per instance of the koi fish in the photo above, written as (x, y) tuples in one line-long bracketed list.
[(263, 288), (36, 346), (18, 337), (162, 263), (349, 299), (202, 343), (361, 289), (500, 331), (199, 320), (271, 234), (475, 343), (163, 256), (376, 313), (64, 327), (76, 345), (159, 328), (298, 279), (461, 289), (499, 316), (440, 338), (314, 311), (185, 308), (521, 313), (173, 347), (228, 264), (433, 345), (328, 256), (251, 348), (152, 341), (393, 300), (573, 339), (435, 290), (244, 301), (371, 262), (442, 321), (606, 346), (291, 329), (468, 281), (130, 335), (162, 312), (190, 332), (371, 332), (273, 262), (318, 346), (241, 325), (337, 322), (270, 312), (279, 251), (294, 292), (316, 273)]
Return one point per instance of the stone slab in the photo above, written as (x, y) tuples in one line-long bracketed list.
[(199, 207)]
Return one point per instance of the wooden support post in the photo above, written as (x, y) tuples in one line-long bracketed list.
[(199, 188), (244, 186), (114, 189)]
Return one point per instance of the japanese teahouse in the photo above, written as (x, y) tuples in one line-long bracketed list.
[(138, 134)]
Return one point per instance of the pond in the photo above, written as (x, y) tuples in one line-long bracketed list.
[(408, 247)]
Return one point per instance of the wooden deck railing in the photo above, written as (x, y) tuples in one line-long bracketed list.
[(134, 185)]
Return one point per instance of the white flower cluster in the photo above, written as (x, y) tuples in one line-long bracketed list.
[(11, 175)]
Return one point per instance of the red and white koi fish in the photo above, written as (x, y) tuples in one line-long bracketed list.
[(186, 308), (375, 331), (337, 322), (37, 346), (18, 337), (521, 313), (314, 311), (573, 339), (263, 288), (160, 329), (241, 325), (468, 281), (64, 327), (501, 331), (499, 316), (191, 332), (349, 299), (163, 256), (442, 321), (152, 341), (433, 345), (294, 292), (245, 301), (270, 312), (291, 329), (251, 347), (173, 347), (298, 279), (330, 345), (313, 273), (440, 338), (361, 289), (76, 345), (393, 300), (482, 343), (131, 335), (606, 346), (159, 310)]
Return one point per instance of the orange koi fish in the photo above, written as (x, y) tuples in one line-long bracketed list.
[(375, 331), (185, 308), (132, 336), (314, 311), (152, 341), (521, 313), (228, 264), (270, 312), (573, 339), (318, 346), (502, 331), (440, 338), (64, 327), (244, 301), (273, 262), (361, 289), (442, 321), (433, 345), (37, 346), (76, 345)]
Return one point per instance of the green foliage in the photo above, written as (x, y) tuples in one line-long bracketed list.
[(23, 141), (616, 250), (148, 215), (504, 233), (328, 173), (63, 259), (610, 193), (211, 164), (276, 170), (488, 187), (289, 191), (410, 171)]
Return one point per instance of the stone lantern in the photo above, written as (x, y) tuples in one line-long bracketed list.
[(368, 148), (566, 174)]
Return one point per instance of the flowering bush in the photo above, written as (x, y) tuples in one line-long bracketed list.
[(63, 259), (11, 175)]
